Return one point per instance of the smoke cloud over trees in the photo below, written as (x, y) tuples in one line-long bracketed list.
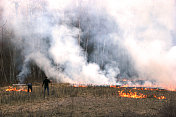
[(88, 41)]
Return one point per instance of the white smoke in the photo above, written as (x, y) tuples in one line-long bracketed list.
[(150, 39), (93, 41)]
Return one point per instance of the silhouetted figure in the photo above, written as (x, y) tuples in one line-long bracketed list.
[(29, 87), (46, 85)]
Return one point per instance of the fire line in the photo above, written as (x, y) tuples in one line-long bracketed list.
[(15, 89), (131, 94)]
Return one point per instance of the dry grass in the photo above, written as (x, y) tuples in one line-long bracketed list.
[(65, 100)]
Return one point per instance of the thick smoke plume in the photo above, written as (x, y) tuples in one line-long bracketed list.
[(93, 41)]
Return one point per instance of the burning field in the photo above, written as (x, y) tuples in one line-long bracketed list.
[(104, 57), (82, 100)]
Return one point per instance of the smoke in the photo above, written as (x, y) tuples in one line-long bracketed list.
[(150, 39), (92, 41)]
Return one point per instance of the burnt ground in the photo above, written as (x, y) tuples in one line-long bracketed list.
[(65, 100)]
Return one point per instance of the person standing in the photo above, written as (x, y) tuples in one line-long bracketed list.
[(46, 85), (29, 87)]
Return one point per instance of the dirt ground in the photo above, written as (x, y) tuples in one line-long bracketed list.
[(88, 105)]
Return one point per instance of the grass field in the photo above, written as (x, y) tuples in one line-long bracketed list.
[(66, 100)]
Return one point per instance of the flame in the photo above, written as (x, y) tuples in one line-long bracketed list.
[(79, 86), (149, 89), (15, 89), (135, 95), (82, 86), (161, 97), (125, 80), (125, 85), (74, 86), (152, 86), (131, 94), (113, 86)]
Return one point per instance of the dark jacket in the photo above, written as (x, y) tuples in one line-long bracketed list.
[(46, 82)]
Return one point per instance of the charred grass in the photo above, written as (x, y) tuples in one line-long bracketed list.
[(65, 100)]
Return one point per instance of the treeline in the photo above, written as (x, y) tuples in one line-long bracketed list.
[(11, 61)]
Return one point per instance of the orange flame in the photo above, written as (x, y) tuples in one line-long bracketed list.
[(79, 86), (113, 86), (161, 97), (82, 86), (149, 89), (14, 89), (132, 95), (125, 85), (135, 95)]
